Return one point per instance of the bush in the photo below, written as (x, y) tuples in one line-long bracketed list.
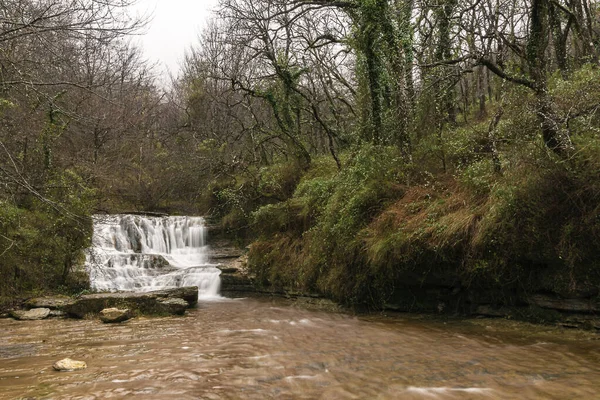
[(42, 242), (322, 221)]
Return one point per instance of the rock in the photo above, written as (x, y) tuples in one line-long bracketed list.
[(227, 269), (149, 303), (188, 293), (489, 311), (235, 278), (174, 306), (31, 315), (223, 250), (570, 305), (53, 303), (67, 365), (57, 314), (114, 315), (236, 283)]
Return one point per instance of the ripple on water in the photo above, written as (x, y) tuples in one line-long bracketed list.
[(255, 349)]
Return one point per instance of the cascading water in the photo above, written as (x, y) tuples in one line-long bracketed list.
[(138, 253)]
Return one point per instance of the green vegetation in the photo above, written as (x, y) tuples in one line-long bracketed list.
[(380, 224), (375, 151), (43, 237)]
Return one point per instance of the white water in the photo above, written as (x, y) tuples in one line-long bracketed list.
[(138, 253)]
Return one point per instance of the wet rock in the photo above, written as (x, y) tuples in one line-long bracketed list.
[(114, 315), (489, 311), (236, 283), (188, 293), (174, 306), (31, 315), (57, 314), (67, 365), (149, 303), (580, 321), (223, 250), (227, 269), (53, 303), (570, 305)]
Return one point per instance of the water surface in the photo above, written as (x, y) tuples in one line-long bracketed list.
[(260, 349)]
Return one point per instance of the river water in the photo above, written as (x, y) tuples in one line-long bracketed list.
[(267, 349)]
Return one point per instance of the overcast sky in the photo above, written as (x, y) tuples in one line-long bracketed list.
[(174, 27)]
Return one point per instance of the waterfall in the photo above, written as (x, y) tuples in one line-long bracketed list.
[(138, 253)]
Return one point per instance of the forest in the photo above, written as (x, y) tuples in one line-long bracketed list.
[(363, 148)]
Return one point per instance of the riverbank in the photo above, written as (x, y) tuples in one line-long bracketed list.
[(521, 244)]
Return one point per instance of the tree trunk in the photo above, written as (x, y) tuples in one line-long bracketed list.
[(555, 135)]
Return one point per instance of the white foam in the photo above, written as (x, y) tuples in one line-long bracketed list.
[(137, 253), (435, 391)]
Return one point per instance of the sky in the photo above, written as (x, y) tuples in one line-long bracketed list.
[(174, 27)]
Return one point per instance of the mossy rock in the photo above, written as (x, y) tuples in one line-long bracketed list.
[(151, 303)]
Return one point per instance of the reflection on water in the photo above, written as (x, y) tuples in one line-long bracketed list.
[(258, 349)]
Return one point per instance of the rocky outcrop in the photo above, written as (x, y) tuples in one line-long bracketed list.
[(115, 315), (224, 252), (67, 365), (150, 303), (34, 314), (235, 278), (53, 303), (561, 304)]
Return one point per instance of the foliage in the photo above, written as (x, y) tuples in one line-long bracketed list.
[(360, 235), (42, 242), (323, 219)]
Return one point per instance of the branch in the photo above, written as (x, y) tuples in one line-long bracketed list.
[(493, 67), (447, 62)]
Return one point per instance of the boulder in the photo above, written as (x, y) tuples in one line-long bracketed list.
[(67, 365), (174, 306), (188, 293), (31, 315), (114, 315)]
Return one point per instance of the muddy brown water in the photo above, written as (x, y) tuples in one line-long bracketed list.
[(265, 349)]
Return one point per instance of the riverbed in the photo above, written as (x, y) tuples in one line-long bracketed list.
[(263, 348)]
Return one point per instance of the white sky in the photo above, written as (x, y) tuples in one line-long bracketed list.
[(174, 27)]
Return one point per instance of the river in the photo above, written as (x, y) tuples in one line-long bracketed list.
[(263, 348)]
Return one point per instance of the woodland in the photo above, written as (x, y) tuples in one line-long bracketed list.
[(355, 144)]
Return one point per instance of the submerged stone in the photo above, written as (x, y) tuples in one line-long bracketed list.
[(31, 315), (67, 365), (114, 315)]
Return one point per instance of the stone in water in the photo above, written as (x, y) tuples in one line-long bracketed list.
[(67, 365), (113, 315), (31, 315)]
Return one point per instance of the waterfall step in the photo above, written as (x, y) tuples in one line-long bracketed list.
[(141, 253), (149, 303)]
